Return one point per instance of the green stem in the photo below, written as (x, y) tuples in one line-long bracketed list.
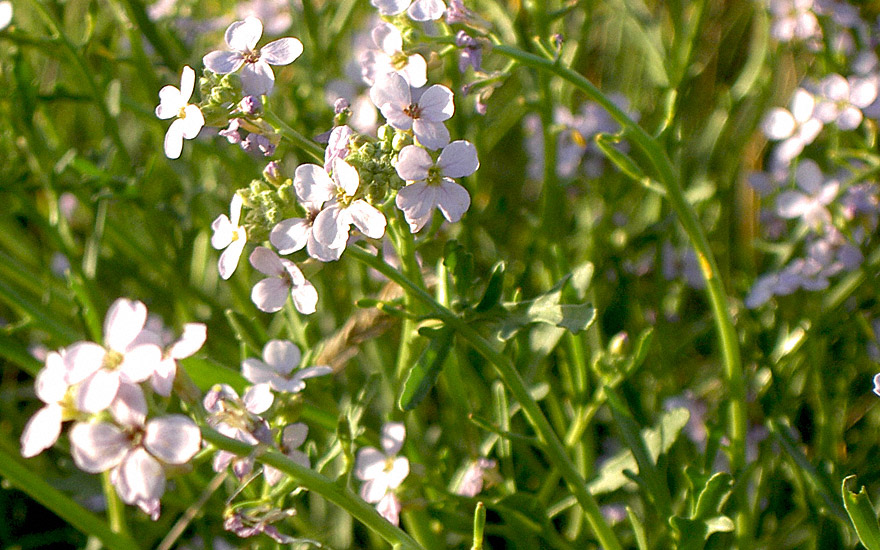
[(737, 420), (514, 382), (405, 247), (307, 145), (115, 507), (319, 484)]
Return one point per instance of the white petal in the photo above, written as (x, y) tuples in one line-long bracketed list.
[(257, 399), (257, 78), (266, 262), (389, 508), (863, 91), (391, 89), (191, 341), (393, 434), (270, 294), (51, 383), (459, 159), (229, 258), (129, 408), (374, 489), (390, 7), (305, 298), (792, 204), (82, 360), (97, 447), (415, 71), (282, 355), (417, 201), (223, 232), (331, 227), (124, 321), (346, 177), (312, 372), (426, 10), (367, 219), (139, 477), (849, 118), (96, 392), (41, 431), (835, 88), (223, 62), (313, 184), (413, 163), (173, 144), (258, 372), (430, 134), (802, 105), (139, 362), (173, 439), (242, 36), (290, 235), (778, 124), (436, 103), (193, 120), (282, 51), (809, 176), (294, 435), (387, 38), (170, 103), (187, 83), (321, 252), (399, 471), (453, 200), (369, 464), (163, 376)]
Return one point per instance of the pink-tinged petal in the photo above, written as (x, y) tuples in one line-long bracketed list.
[(826, 111), (257, 372), (213, 401), (294, 435), (390, 7), (802, 105), (367, 219), (345, 177), (389, 508), (173, 439), (312, 372), (257, 399), (139, 362), (299, 457), (97, 447), (96, 392), (173, 144), (321, 252), (313, 184), (778, 124), (835, 88), (82, 360), (331, 227), (369, 464), (235, 212), (391, 89), (809, 176), (191, 341), (459, 159), (863, 91), (193, 120), (151, 507), (242, 36), (162, 379), (415, 71), (426, 10), (430, 134), (453, 200), (413, 163), (849, 118), (792, 204), (270, 294), (282, 51), (305, 298), (374, 489), (170, 103), (272, 475), (393, 434), (417, 201), (282, 355), (290, 235), (129, 408), (223, 62), (398, 472), (187, 83), (51, 383), (809, 130), (223, 232), (387, 38), (124, 321), (229, 258), (266, 262), (436, 103), (139, 477), (41, 431), (828, 192), (257, 78)]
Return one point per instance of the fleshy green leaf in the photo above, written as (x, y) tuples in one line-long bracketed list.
[(493, 289), (548, 309), (423, 374), (861, 513)]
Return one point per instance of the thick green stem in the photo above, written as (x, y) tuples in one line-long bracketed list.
[(514, 382), (737, 420), (319, 484)]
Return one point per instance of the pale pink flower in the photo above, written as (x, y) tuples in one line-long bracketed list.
[(292, 437), (284, 279), (393, 96), (383, 471), (279, 369), (390, 58), (230, 236), (52, 387)]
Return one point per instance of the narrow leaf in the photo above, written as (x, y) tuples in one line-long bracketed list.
[(423, 374), (861, 513)]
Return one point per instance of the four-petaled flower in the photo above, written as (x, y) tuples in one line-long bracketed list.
[(175, 103), (418, 10), (257, 77), (229, 235), (432, 184), (51, 386), (390, 58), (284, 278), (394, 98), (383, 471), (279, 369)]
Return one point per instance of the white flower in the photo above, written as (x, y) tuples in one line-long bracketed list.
[(239, 419), (390, 58), (191, 341), (279, 369), (295, 234), (843, 99), (420, 10), (101, 370), (394, 98), (383, 471), (471, 482), (44, 427), (5, 14), (175, 103), (794, 19), (809, 205), (340, 209), (797, 128), (229, 235), (285, 278), (276, 13), (292, 437), (432, 184), (136, 453), (257, 77)]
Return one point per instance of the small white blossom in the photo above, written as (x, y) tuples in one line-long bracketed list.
[(257, 77), (843, 99), (5, 14), (418, 10), (175, 103), (796, 128), (284, 279), (809, 205), (478, 471), (794, 19), (432, 185), (393, 96), (230, 236), (390, 58), (279, 369), (191, 341), (239, 419), (383, 471), (292, 437), (295, 234), (52, 387)]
